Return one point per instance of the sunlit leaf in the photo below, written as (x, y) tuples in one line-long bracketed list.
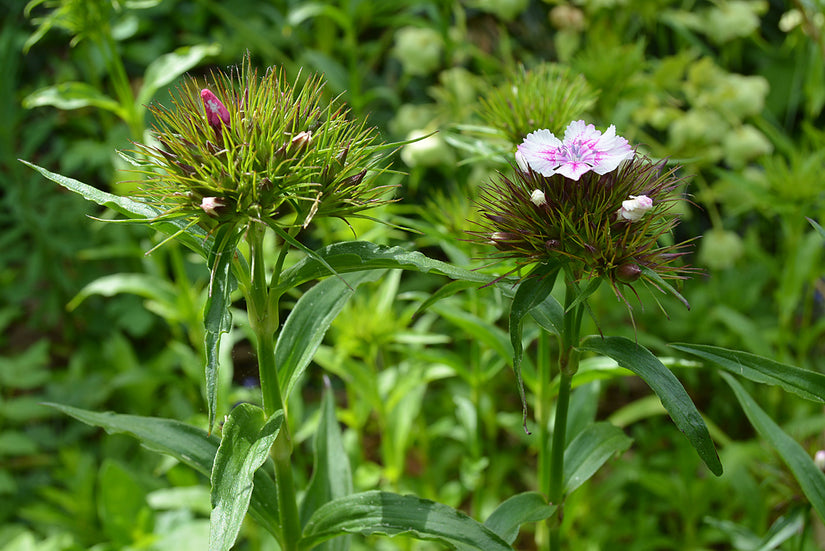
[(678, 404), (391, 514), (246, 439)]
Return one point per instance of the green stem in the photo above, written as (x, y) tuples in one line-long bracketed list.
[(568, 365), (543, 408), (264, 323)]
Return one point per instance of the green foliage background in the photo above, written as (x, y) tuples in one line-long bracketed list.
[(731, 90)]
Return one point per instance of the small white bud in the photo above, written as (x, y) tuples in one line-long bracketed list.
[(537, 197), (211, 204), (634, 208)]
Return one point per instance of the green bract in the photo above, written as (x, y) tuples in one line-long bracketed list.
[(268, 150)]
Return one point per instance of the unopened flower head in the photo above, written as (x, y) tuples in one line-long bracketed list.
[(635, 208), (260, 148), (589, 202)]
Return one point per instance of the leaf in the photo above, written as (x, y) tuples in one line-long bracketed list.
[(193, 237), (445, 291), (817, 227), (189, 445), (549, 315), (163, 70), (217, 318), (676, 401), (810, 477), (807, 384), (663, 285), (331, 474), (515, 511), (590, 450), (143, 285), (247, 437), (532, 291), (376, 512), (356, 256), (309, 321), (73, 95)]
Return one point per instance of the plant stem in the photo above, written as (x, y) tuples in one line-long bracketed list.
[(568, 365), (263, 319), (543, 408)]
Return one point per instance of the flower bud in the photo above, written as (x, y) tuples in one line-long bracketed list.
[(216, 112), (628, 272), (210, 205), (634, 208), (537, 198), (299, 142)]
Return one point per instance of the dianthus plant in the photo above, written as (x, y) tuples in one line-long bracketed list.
[(589, 207), (245, 156)]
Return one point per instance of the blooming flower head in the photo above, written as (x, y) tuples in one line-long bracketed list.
[(252, 148), (588, 203), (583, 149)]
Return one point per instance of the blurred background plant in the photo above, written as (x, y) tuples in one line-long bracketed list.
[(731, 90)]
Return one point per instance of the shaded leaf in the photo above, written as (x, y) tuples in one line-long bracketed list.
[(590, 450), (810, 477)]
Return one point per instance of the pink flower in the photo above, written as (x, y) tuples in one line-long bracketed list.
[(216, 112), (634, 208), (584, 148)]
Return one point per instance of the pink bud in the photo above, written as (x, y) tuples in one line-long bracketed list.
[(216, 112)]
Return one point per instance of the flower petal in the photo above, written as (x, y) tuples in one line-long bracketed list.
[(541, 151)]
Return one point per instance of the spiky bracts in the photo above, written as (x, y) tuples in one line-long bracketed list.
[(260, 148), (534, 218)]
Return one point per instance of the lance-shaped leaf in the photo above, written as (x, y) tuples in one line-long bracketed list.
[(531, 292), (247, 437), (309, 321), (376, 512), (515, 511), (193, 237), (590, 450), (73, 95), (331, 474), (189, 445), (810, 477), (356, 256), (802, 382), (676, 401), (217, 317)]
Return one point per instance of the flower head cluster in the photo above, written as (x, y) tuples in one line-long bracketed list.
[(251, 148), (588, 201)]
